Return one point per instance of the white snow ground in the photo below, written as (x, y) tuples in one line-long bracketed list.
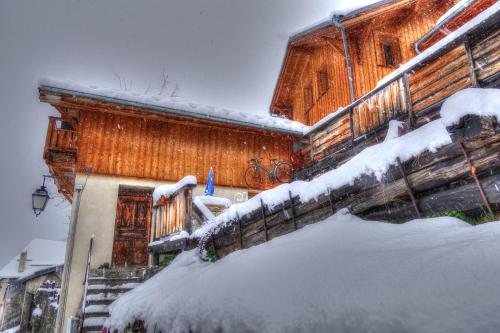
[(340, 275)]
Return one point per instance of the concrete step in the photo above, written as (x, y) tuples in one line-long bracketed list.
[(100, 302), (105, 290), (118, 273), (93, 323)]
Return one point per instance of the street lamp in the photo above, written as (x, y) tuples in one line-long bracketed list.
[(39, 199)]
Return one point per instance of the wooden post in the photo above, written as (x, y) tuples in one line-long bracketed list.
[(470, 59), (330, 199), (409, 105), (408, 189), (472, 169), (239, 228), (351, 123), (264, 218), (292, 209)]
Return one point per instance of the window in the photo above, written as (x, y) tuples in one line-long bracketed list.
[(388, 55), (388, 50), (323, 82)]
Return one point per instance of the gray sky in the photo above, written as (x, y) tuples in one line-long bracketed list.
[(220, 52)]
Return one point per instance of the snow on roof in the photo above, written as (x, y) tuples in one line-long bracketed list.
[(176, 105), (42, 254), (373, 160), (340, 275), (453, 36), (353, 8), (170, 189)]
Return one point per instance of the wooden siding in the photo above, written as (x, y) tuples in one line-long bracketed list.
[(117, 145), (323, 49)]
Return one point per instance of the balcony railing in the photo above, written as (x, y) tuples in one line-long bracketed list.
[(61, 137)]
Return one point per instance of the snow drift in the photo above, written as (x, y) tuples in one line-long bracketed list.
[(340, 275)]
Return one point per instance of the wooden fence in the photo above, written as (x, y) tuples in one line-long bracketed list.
[(463, 175)]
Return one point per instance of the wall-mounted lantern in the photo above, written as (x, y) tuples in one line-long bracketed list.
[(39, 199)]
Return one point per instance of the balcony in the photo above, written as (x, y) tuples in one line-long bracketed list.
[(60, 154), (413, 95)]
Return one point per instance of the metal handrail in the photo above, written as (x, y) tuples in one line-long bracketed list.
[(86, 281)]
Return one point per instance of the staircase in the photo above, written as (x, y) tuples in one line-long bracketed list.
[(105, 286)]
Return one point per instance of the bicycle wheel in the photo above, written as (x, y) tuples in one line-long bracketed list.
[(284, 172), (254, 177)]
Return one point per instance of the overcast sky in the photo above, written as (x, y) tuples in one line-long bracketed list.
[(220, 52)]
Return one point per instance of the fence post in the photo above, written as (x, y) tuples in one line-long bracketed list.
[(470, 59), (292, 209), (409, 105), (264, 217), (330, 199), (472, 169), (239, 228), (409, 189)]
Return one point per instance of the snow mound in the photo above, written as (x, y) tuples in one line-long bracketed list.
[(340, 275), (477, 101)]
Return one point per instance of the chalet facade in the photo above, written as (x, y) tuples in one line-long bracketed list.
[(345, 78)]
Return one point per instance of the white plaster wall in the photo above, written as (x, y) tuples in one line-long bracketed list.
[(97, 217)]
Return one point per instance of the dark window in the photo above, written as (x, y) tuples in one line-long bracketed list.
[(388, 55), (323, 84)]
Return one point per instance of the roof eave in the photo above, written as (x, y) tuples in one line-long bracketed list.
[(166, 110)]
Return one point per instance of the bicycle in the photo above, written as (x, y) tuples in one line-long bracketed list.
[(281, 172)]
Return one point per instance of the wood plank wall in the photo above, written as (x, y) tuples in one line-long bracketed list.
[(366, 69), (116, 145)]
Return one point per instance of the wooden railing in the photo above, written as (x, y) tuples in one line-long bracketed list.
[(414, 95), (59, 139), (172, 214)]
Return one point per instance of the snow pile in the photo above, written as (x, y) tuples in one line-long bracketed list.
[(203, 208), (181, 106), (374, 160), (490, 12), (478, 101), (170, 189), (42, 254), (341, 275), (393, 129)]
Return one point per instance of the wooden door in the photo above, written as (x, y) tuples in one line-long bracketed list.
[(132, 225)]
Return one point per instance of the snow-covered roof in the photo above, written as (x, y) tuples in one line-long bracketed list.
[(42, 254), (170, 189), (175, 105), (341, 14)]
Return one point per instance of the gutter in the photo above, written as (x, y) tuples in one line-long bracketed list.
[(439, 26), (163, 109)]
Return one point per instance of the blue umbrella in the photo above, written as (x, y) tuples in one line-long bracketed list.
[(209, 189)]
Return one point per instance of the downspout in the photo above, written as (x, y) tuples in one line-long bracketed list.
[(67, 260), (336, 21)]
